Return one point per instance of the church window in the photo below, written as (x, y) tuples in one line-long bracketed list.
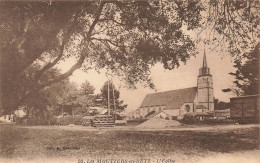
[(187, 107)]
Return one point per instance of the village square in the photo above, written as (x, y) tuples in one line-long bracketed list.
[(129, 81)]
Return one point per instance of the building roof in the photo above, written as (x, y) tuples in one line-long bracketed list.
[(157, 113), (171, 99)]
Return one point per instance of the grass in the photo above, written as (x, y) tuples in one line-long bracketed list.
[(17, 142)]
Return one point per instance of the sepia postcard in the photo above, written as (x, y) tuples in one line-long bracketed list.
[(129, 81)]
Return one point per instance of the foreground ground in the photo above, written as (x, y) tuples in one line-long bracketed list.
[(195, 144)]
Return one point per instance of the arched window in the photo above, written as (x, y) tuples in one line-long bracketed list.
[(187, 107)]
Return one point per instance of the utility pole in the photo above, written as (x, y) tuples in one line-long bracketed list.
[(108, 99), (114, 100)]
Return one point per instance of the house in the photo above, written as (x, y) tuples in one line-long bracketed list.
[(176, 103), (8, 118), (12, 117)]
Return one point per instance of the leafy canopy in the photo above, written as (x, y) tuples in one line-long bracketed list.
[(127, 37)]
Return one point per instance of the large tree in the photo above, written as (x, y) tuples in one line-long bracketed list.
[(247, 74), (85, 99), (127, 37)]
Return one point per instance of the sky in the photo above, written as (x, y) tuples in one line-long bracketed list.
[(183, 77)]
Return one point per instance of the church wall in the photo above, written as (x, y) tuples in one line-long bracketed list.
[(205, 94), (185, 108), (205, 99)]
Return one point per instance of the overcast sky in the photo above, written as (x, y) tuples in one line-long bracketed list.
[(183, 77)]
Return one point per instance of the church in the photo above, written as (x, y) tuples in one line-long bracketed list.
[(175, 103)]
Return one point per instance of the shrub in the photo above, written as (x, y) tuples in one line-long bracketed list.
[(53, 120), (34, 121), (189, 119), (76, 120), (87, 122), (19, 120)]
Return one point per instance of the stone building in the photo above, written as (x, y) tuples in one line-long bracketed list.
[(178, 102)]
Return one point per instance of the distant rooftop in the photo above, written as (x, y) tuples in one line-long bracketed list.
[(171, 99)]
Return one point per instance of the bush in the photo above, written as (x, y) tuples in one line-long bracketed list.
[(36, 121), (189, 119), (19, 120), (53, 120), (76, 120), (87, 122)]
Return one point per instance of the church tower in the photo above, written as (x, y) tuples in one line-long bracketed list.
[(205, 94)]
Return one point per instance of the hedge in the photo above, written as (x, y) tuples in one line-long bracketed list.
[(76, 120), (36, 121)]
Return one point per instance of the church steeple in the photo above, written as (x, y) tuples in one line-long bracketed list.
[(204, 70), (205, 94), (204, 60)]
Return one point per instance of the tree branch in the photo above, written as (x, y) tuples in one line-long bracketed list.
[(82, 56), (105, 40), (66, 74), (37, 41), (64, 41), (50, 64)]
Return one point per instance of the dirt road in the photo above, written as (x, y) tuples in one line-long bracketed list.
[(209, 128)]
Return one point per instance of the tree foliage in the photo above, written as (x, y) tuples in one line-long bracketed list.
[(72, 100), (221, 105), (247, 73), (127, 37), (113, 97), (231, 26)]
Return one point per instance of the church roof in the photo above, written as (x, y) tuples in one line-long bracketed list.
[(171, 99)]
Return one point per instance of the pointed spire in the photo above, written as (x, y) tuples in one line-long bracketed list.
[(204, 70), (204, 59)]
